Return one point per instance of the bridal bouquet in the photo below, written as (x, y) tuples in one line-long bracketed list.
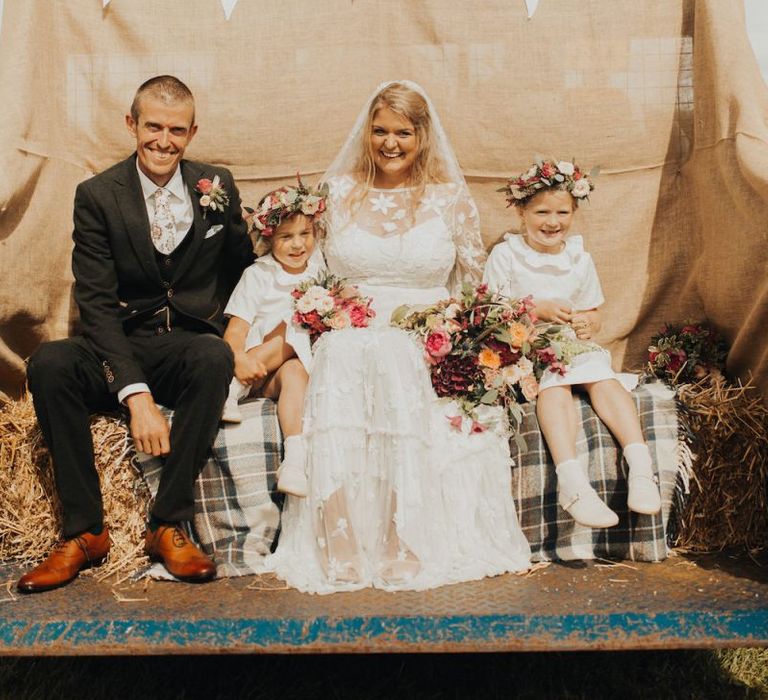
[(329, 303), (486, 352), (680, 354)]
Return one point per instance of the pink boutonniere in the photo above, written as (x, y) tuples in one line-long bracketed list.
[(213, 195)]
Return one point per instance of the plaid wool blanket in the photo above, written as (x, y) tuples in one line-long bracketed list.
[(551, 532), (236, 518), (237, 511)]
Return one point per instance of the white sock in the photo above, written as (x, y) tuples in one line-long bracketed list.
[(638, 458), (294, 450), (237, 390), (643, 492), (571, 476)]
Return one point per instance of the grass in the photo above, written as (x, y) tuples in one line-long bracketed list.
[(739, 673)]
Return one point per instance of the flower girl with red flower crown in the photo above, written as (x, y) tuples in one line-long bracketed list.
[(259, 312), (562, 278)]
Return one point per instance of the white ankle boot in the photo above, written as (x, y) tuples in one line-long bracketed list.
[(292, 476), (642, 484), (577, 497)]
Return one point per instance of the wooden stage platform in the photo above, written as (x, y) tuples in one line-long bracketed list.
[(702, 601)]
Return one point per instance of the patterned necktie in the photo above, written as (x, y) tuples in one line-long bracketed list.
[(163, 225)]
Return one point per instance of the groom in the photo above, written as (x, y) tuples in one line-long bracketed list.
[(159, 243)]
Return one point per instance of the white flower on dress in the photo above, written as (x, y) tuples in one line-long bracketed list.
[(399, 214), (341, 529), (433, 202), (382, 203), (340, 187), (566, 167), (389, 227)]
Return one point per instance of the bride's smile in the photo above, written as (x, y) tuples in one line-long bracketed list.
[(394, 147)]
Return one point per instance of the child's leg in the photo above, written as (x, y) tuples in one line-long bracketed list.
[(273, 352), (617, 410), (288, 385), (559, 423)]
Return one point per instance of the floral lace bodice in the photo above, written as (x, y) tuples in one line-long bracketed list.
[(383, 242)]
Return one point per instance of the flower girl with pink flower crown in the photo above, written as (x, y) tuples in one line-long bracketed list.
[(562, 278), (270, 360)]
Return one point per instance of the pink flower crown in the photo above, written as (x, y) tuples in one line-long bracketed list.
[(549, 174), (284, 202)]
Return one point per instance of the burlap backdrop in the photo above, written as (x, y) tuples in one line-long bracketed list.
[(665, 96)]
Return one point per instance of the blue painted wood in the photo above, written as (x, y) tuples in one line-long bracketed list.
[(743, 627), (675, 604)]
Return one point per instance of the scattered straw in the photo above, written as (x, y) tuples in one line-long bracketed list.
[(267, 582), (30, 514), (727, 504)]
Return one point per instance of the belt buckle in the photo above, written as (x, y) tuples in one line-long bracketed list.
[(167, 328)]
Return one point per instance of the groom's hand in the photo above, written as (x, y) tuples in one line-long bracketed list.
[(149, 428)]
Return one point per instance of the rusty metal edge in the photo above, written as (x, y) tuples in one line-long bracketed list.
[(428, 634)]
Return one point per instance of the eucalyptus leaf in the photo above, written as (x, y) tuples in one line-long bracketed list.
[(489, 397)]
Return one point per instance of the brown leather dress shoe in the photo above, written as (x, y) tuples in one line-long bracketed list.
[(170, 545), (66, 560)]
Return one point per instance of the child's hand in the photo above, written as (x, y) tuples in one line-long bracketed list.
[(249, 369), (586, 324), (582, 325), (554, 310)]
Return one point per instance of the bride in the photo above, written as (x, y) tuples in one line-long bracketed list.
[(398, 499)]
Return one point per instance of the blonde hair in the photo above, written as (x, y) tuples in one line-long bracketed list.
[(427, 168)]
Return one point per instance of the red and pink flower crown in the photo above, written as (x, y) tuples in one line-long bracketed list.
[(549, 174), (284, 202)]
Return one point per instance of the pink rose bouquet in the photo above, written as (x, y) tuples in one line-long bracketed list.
[(485, 350), (329, 303)]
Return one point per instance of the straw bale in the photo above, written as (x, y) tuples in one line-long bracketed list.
[(727, 505), (30, 512)]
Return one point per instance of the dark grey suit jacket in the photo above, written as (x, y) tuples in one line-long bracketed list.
[(117, 279)]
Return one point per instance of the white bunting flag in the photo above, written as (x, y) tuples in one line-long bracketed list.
[(228, 6), (531, 5)]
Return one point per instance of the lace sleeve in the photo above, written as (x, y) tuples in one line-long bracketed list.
[(470, 251)]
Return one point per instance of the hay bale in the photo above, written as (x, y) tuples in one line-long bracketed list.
[(727, 504), (30, 512)]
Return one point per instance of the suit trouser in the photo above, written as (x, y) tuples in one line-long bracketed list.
[(186, 370)]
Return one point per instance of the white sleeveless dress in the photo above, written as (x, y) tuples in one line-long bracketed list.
[(398, 499)]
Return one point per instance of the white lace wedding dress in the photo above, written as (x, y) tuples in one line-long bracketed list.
[(398, 499)]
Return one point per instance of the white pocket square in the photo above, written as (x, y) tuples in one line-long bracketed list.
[(213, 230)]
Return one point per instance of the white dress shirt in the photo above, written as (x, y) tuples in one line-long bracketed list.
[(180, 203)]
